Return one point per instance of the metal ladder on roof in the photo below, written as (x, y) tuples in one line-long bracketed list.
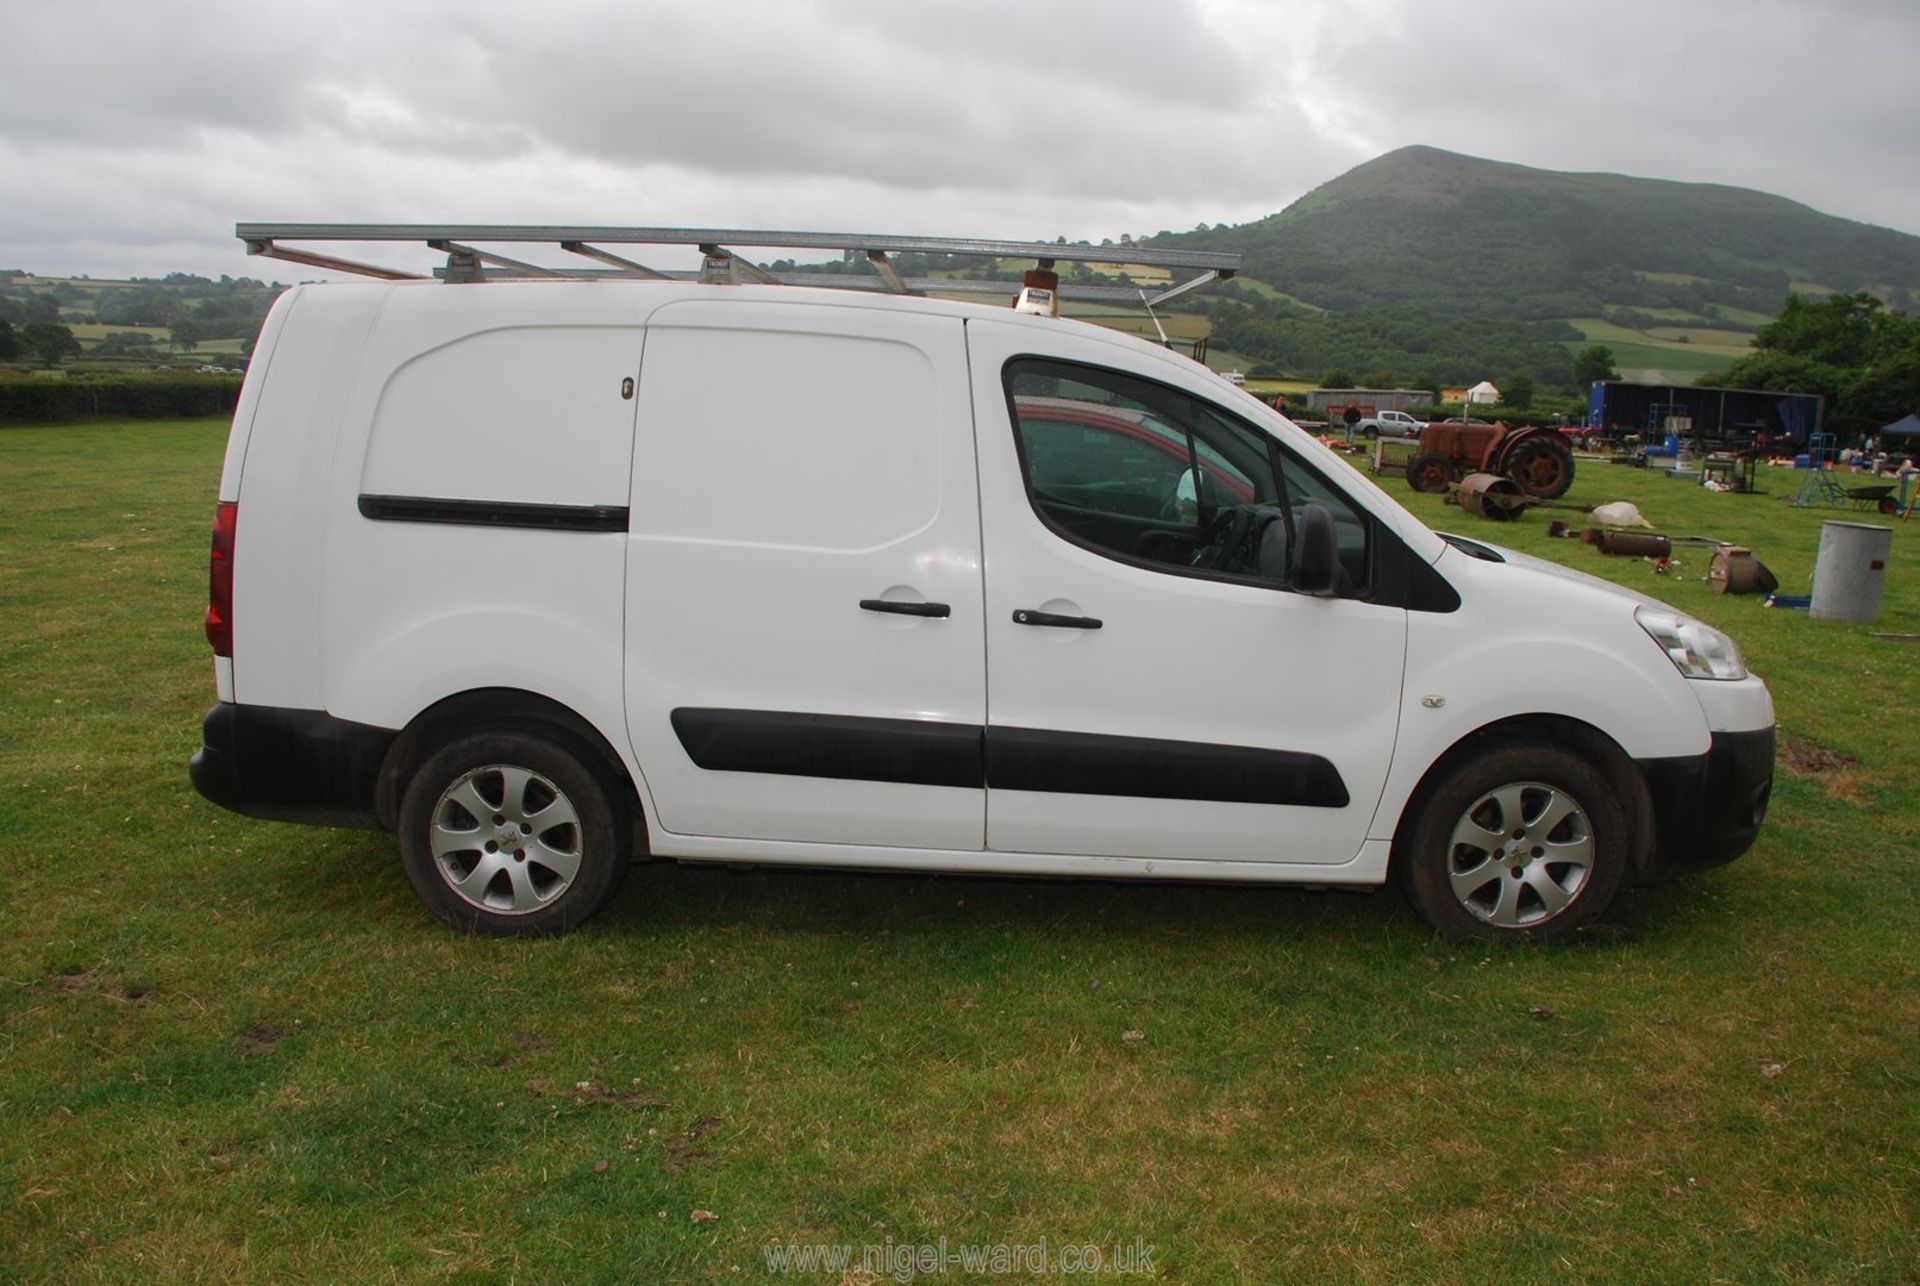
[(722, 262)]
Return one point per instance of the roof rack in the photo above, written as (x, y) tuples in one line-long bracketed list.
[(721, 261)]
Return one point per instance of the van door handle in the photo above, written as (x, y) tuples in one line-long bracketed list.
[(1027, 616), (905, 609)]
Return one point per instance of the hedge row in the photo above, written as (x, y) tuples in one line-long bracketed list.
[(1504, 414), (117, 397)]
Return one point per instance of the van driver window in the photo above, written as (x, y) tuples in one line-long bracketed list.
[(1151, 475)]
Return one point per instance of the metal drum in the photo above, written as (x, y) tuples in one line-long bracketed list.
[(1635, 544), (1736, 571), (1488, 495), (1850, 571)]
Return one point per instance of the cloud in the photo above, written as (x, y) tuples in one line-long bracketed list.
[(1772, 95), (133, 137)]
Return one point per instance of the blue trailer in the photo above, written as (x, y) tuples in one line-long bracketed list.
[(1733, 419)]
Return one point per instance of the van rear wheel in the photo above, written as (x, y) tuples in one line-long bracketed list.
[(1527, 843), (510, 833)]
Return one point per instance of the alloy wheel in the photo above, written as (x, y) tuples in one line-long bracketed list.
[(1520, 854), (505, 839)]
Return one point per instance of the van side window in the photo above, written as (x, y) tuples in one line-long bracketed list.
[(1148, 474)]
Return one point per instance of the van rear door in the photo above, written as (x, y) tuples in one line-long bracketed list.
[(804, 656)]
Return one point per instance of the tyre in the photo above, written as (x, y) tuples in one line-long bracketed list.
[(1524, 843), (513, 833), (1542, 466), (1429, 473)]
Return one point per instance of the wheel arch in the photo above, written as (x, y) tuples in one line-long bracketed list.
[(478, 708), (1606, 754)]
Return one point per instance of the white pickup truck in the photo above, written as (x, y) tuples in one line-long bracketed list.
[(1390, 424)]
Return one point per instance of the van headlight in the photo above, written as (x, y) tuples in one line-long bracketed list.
[(1699, 651)]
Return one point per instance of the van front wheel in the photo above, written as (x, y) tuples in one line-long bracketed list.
[(1526, 843), (511, 834)]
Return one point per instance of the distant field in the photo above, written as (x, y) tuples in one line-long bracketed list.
[(1734, 342), (1136, 321), (84, 283), (1647, 364), (96, 331), (1259, 287), (1141, 274), (1292, 388), (1643, 355), (1226, 361), (1744, 316), (1672, 278)]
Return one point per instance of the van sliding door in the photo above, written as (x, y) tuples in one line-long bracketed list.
[(804, 654)]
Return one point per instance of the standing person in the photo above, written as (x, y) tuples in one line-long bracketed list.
[(1352, 417)]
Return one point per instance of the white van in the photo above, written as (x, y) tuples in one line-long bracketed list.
[(544, 575)]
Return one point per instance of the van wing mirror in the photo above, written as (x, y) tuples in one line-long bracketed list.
[(1185, 505), (1316, 554)]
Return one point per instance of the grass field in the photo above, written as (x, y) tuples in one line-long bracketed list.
[(1292, 388), (1139, 273), (1657, 356), (1745, 316), (1259, 287), (237, 1050), (95, 331), (1733, 343), (1135, 321)]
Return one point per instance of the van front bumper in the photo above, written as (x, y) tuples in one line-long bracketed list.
[(1708, 809), (290, 765)]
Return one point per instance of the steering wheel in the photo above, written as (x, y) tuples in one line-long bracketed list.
[(1224, 537)]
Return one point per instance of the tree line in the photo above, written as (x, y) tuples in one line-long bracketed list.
[(209, 308), (47, 343), (1852, 349)]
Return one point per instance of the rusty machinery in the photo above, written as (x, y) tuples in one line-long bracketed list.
[(1733, 570), (1500, 499), (1537, 460)]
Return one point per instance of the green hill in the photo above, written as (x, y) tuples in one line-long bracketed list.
[(1675, 273), (1431, 229)]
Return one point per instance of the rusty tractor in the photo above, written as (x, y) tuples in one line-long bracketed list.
[(1538, 460)]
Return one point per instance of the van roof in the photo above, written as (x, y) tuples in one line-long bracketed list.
[(603, 299)]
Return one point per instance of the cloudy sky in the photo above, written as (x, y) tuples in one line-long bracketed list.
[(133, 135)]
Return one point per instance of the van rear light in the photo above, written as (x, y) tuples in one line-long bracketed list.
[(220, 579)]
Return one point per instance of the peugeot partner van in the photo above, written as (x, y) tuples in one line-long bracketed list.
[(546, 575)]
